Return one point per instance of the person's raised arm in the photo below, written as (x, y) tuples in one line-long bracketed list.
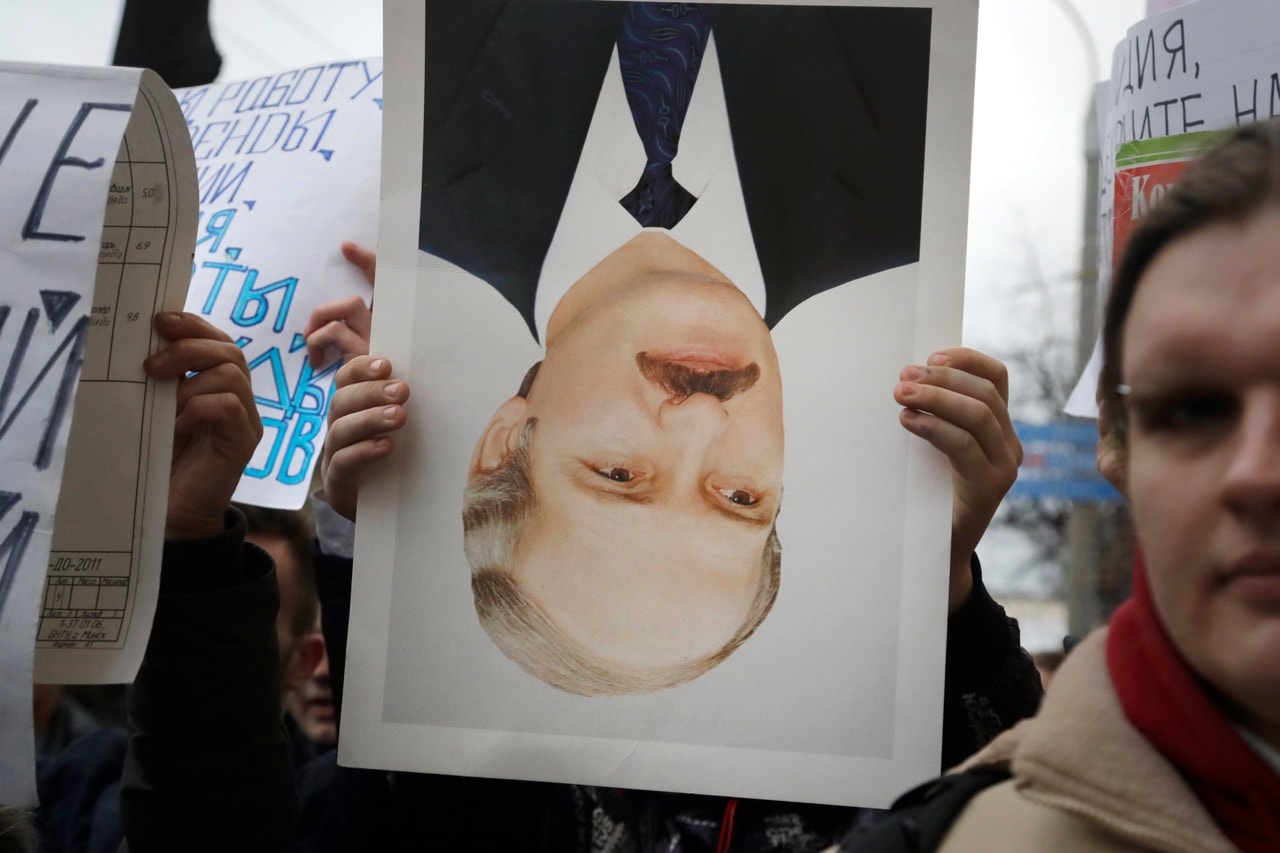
[(208, 766), (343, 324), (216, 427), (364, 415), (958, 402)]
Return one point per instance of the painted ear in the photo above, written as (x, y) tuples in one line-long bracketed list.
[(498, 440)]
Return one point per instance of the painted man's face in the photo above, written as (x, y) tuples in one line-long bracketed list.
[(656, 461)]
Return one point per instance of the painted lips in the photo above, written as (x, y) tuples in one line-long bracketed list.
[(698, 359)]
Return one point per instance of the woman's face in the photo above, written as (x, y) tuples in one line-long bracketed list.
[(1201, 355)]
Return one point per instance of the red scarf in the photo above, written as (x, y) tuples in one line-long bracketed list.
[(1165, 702)]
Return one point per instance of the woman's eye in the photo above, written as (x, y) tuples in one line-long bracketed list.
[(616, 473), (741, 497)]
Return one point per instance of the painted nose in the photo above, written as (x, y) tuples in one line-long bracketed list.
[(699, 418)]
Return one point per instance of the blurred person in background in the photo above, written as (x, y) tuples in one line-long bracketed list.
[(286, 535), (310, 703)]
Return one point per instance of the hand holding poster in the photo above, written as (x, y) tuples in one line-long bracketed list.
[(288, 168), (806, 258)]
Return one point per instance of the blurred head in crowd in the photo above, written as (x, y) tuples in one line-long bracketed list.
[(286, 536), (1191, 377), (311, 704)]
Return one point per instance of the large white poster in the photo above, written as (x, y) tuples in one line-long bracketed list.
[(669, 577)]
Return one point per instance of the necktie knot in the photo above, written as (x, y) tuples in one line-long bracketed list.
[(660, 48)]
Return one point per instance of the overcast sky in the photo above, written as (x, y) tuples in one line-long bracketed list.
[(1033, 88)]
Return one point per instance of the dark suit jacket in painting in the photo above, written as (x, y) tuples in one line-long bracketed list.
[(826, 112)]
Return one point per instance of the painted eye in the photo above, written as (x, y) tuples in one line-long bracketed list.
[(741, 497), (616, 474)]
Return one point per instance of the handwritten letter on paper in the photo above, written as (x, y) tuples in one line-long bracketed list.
[(288, 169)]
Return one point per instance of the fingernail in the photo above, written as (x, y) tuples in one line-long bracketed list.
[(390, 412), (908, 389), (157, 359), (913, 372), (392, 390), (939, 358), (377, 364), (168, 318)]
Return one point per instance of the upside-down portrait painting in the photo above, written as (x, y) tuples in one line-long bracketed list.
[(651, 270)]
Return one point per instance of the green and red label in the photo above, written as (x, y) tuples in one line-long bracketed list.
[(1145, 170)]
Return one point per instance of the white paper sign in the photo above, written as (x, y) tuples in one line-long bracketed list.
[(104, 568), (288, 169), (61, 130), (1207, 66), (836, 697)]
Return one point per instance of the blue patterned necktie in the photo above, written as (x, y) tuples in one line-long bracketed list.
[(660, 47)]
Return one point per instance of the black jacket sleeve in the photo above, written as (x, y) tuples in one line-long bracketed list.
[(991, 683), (208, 765)]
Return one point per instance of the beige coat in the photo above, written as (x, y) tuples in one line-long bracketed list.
[(1083, 779)]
